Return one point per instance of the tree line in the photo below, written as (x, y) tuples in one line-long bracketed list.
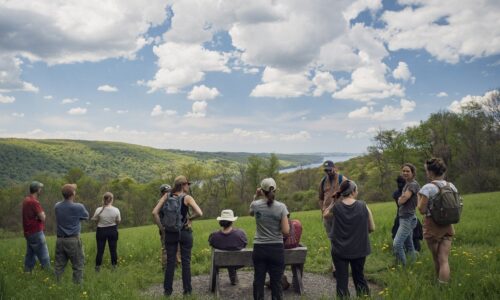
[(469, 143)]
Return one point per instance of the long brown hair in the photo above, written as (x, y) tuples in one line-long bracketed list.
[(106, 199), (270, 196)]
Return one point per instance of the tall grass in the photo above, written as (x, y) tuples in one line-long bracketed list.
[(474, 259)]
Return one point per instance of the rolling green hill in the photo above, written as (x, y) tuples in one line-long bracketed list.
[(20, 159)]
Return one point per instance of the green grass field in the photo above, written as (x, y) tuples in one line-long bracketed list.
[(474, 259)]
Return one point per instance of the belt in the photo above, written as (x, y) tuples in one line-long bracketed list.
[(68, 236)]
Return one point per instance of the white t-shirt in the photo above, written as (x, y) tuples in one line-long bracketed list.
[(430, 190), (108, 217)]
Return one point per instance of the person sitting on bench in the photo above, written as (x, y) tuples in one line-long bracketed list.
[(228, 238)]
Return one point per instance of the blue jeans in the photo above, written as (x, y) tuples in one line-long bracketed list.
[(404, 239), (36, 247)]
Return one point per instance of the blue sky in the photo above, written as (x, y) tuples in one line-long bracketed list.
[(257, 76)]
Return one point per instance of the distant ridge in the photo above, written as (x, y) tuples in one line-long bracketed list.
[(21, 159)]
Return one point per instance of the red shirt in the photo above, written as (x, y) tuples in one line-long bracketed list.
[(31, 209), (293, 240)]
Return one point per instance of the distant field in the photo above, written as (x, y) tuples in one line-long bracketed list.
[(475, 259)]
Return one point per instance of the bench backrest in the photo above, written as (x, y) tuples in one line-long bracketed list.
[(222, 258)]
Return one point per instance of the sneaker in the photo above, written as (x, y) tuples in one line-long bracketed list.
[(97, 269)]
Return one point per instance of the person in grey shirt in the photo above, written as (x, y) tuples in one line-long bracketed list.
[(407, 204), (268, 251), (68, 243)]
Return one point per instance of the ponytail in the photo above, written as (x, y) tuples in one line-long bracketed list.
[(106, 199), (270, 196)]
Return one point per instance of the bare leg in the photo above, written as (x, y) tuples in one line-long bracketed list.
[(444, 266), (433, 246)]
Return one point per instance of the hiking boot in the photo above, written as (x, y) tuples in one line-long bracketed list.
[(97, 269)]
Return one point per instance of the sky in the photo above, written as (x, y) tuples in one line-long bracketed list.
[(283, 76)]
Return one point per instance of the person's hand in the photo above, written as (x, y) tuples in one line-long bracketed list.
[(259, 192), (189, 223)]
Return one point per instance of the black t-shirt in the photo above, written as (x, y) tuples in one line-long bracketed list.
[(349, 234), (234, 240)]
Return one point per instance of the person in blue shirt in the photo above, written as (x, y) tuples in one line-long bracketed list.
[(68, 243)]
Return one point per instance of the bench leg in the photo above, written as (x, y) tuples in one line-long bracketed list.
[(213, 279), (298, 286)]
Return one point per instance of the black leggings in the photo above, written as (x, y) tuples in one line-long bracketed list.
[(102, 235)]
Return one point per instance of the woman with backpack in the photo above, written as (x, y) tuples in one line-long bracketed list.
[(352, 222), (107, 217), (407, 202), (268, 252), (173, 209), (438, 237)]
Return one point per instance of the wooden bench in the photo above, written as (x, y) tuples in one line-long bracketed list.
[(295, 257)]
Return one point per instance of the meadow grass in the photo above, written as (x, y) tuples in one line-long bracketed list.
[(474, 259)]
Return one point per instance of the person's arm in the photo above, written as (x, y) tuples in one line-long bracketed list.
[(41, 216), (197, 213), (422, 203), (157, 209), (118, 217), (244, 239), (95, 217), (371, 223), (321, 195), (285, 226), (405, 197), (85, 213)]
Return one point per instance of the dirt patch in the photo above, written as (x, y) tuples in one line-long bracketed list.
[(316, 286)]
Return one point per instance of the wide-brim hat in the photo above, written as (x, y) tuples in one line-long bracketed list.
[(227, 215)]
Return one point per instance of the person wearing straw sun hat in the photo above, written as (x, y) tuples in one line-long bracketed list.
[(228, 238)]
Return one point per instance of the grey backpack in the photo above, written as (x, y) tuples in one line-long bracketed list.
[(171, 217), (446, 206)]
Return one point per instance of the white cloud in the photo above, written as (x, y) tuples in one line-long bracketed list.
[(106, 109), (18, 115), (458, 105), (77, 111), (402, 71), (198, 110), (61, 32), (10, 72), (369, 83), (7, 99), (261, 135), (107, 88), (69, 100), (158, 111), (411, 124), (449, 29), (181, 65), (281, 84), (201, 92), (442, 94), (359, 6), (388, 112), (48, 97), (35, 131), (324, 82), (121, 111), (111, 129), (353, 134)]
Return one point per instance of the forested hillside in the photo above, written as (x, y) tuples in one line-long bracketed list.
[(21, 159)]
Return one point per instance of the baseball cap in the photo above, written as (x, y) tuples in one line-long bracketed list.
[(328, 165), (165, 188), (267, 183), (181, 180)]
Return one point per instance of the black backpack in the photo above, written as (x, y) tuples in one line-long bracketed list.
[(446, 206), (170, 216)]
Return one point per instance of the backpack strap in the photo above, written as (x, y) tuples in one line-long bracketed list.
[(340, 178)]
